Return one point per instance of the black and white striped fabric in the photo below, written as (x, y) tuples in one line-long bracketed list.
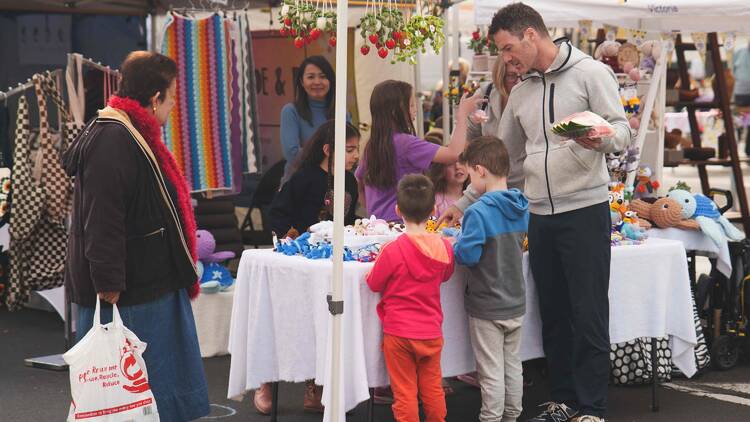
[(702, 354)]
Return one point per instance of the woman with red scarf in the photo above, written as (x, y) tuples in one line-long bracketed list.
[(132, 238)]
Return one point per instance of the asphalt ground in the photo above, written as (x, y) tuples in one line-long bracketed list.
[(31, 395)]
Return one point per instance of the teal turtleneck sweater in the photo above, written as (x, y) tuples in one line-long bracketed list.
[(296, 131)]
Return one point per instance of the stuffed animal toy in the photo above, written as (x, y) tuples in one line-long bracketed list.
[(664, 213), (617, 203), (214, 276), (644, 186), (606, 52), (650, 53), (631, 227), (705, 212)]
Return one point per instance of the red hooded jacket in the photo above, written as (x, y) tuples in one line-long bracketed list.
[(408, 273)]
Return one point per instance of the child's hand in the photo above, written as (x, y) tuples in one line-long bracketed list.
[(468, 105), (451, 216)]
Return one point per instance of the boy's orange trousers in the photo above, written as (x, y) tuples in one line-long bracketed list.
[(414, 368)]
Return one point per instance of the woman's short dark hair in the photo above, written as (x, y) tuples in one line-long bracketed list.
[(144, 73), (301, 100)]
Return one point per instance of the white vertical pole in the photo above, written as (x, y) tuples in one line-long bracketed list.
[(446, 79), (418, 84), (339, 170)]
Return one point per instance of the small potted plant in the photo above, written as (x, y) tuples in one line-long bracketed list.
[(415, 36), (382, 31), (478, 44)]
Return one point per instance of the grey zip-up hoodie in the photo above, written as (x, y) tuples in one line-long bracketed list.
[(560, 175)]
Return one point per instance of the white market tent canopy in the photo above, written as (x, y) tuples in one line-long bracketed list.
[(653, 15)]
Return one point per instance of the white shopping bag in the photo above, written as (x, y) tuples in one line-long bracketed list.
[(108, 379)]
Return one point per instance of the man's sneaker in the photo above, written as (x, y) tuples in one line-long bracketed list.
[(588, 418), (556, 412)]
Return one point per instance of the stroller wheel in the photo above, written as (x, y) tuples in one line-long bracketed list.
[(724, 353)]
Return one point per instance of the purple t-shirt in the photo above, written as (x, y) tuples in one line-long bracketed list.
[(413, 155)]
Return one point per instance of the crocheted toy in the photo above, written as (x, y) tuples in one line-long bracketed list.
[(606, 52), (650, 52), (644, 186), (631, 227), (214, 277), (664, 213), (617, 205), (704, 211)]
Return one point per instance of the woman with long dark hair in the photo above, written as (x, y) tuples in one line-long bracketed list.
[(314, 104), (307, 197), (132, 237), (394, 150)]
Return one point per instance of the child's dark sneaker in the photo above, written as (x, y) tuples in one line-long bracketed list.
[(555, 412)]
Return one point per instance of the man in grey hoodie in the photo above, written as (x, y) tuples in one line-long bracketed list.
[(566, 184)]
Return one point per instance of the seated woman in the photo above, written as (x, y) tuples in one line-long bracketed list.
[(307, 197)]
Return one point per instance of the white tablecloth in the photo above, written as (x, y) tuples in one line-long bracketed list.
[(280, 320), (697, 241)]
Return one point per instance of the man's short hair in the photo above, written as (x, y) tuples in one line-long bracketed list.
[(490, 153), (515, 18), (415, 198)]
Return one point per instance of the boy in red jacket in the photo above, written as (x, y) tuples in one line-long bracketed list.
[(408, 273)]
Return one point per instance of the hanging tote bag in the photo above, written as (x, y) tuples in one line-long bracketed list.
[(108, 378)]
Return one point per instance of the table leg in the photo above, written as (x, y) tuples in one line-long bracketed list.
[(655, 376), (371, 406), (274, 401)]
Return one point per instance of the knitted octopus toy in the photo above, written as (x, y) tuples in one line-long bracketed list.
[(214, 277)]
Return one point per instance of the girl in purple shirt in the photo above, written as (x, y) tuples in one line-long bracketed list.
[(394, 151)]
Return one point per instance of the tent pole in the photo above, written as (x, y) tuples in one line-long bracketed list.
[(336, 301), (446, 78), (418, 85)]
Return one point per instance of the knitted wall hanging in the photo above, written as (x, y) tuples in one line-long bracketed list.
[(198, 131)]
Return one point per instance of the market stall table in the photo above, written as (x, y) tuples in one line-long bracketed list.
[(280, 321)]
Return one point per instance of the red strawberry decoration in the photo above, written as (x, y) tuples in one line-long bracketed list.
[(476, 35), (365, 50), (332, 42), (315, 33), (391, 44), (383, 52), (396, 35), (374, 38), (293, 32), (308, 40), (284, 31), (299, 42)]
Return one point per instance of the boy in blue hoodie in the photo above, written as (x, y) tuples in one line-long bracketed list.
[(490, 245)]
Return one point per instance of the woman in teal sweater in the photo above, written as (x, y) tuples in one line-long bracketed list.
[(314, 95)]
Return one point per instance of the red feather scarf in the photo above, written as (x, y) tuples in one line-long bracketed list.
[(150, 129)]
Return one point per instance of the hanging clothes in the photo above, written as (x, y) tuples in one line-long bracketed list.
[(41, 197), (198, 132)]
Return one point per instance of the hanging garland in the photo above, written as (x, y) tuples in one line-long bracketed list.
[(304, 22)]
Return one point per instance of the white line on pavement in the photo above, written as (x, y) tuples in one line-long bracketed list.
[(717, 396)]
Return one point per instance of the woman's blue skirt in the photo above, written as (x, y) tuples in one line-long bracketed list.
[(173, 358)]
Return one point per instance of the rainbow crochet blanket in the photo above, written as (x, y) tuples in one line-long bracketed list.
[(198, 131)]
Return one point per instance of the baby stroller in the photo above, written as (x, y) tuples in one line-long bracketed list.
[(724, 303)]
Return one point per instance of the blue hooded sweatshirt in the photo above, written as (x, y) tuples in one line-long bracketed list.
[(490, 245)]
